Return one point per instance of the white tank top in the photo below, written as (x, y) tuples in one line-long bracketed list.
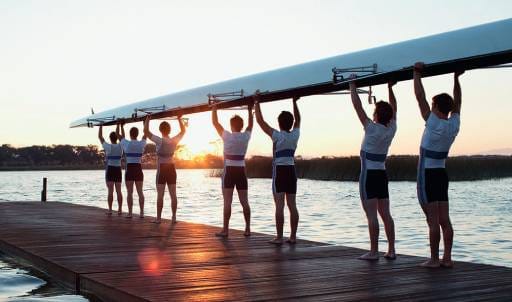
[(438, 137), (165, 148), (375, 145), (235, 147), (113, 153), (285, 144), (133, 150)]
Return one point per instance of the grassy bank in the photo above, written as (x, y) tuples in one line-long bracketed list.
[(398, 167), (326, 168)]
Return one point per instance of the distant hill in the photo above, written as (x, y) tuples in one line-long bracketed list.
[(502, 151)]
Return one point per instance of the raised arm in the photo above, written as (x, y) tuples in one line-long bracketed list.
[(121, 134), (419, 91), (100, 134), (250, 118), (457, 92), (356, 102), (296, 112), (215, 121), (259, 117), (183, 128), (392, 98), (147, 133)]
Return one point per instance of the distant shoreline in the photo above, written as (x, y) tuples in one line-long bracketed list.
[(399, 167)]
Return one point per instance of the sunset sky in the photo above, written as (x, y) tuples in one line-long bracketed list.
[(60, 58)]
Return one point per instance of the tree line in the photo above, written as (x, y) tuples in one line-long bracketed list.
[(69, 157), (399, 167)]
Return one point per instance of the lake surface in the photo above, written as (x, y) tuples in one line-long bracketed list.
[(329, 211)]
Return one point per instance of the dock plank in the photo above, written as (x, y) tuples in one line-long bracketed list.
[(119, 259)]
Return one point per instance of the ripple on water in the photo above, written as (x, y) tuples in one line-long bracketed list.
[(18, 284)]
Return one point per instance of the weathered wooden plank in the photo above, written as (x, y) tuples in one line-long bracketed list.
[(119, 259)]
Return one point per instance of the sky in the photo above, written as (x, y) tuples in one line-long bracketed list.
[(59, 58)]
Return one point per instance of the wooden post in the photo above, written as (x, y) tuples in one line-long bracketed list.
[(43, 192)]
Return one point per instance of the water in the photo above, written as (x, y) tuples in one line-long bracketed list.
[(329, 211), (18, 283)]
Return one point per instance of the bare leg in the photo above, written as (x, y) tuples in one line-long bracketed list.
[(110, 196), (294, 217), (228, 199), (174, 202), (140, 193), (119, 198), (129, 197), (446, 226), (244, 201), (432, 210), (370, 208), (160, 190), (279, 203), (389, 226)]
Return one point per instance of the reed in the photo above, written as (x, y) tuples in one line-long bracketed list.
[(399, 168)]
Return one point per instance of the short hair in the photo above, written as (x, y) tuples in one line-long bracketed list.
[(113, 137), (443, 102), (237, 123), (165, 128), (285, 120), (134, 132), (384, 112)]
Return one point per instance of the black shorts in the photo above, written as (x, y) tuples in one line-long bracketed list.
[(234, 176), (113, 173), (433, 185), (284, 179), (166, 174), (133, 173), (373, 184)]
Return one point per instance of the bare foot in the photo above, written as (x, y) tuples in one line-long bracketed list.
[(276, 241), (119, 212), (141, 215), (370, 256), (128, 216), (173, 220), (222, 234), (446, 263), (247, 233), (108, 213), (390, 255), (431, 264), (291, 241), (156, 221)]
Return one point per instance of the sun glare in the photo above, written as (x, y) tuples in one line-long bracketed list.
[(200, 139)]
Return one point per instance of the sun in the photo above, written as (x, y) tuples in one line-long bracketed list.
[(200, 139)]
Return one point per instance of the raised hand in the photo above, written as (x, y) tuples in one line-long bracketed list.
[(419, 66), (256, 97), (352, 83)]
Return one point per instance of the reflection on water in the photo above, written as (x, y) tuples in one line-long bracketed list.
[(330, 211), (19, 284)]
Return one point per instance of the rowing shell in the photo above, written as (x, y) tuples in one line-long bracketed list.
[(469, 48)]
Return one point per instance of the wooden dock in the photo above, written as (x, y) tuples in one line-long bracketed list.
[(118, 259)]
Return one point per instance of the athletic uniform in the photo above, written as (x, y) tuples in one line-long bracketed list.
[(373, 180), (165, 147), (133, 151), (438, 137), (113, 153), (284, 178), (235, 147)]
